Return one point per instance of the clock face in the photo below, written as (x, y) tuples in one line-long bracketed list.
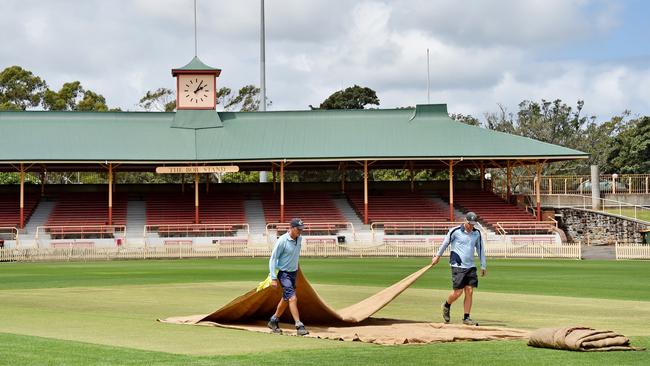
[(196, 91)]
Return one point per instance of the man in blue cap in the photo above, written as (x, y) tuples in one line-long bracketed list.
[(284, 261), (464, 239)]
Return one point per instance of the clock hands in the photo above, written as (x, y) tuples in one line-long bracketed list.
[(200, 87)]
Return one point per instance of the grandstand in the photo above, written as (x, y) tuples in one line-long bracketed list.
[(200, 142), (398, 206)]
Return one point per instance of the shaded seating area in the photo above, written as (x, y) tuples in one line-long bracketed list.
[(316, 209), (398, 206), (10, 208), (490, 208), (85, 215), (174, 214)]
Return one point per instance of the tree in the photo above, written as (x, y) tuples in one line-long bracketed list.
[(466, 119), (63, 100), (20, 89), (161, 100), (354, 97), (631, 148), (246, 100)]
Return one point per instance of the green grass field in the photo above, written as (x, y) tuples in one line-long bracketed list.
[(643, 215), (103, 313)]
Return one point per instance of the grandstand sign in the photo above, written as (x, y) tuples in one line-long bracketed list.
[(196, 169)]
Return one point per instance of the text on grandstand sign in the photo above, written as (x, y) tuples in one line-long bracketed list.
[(196, 169)]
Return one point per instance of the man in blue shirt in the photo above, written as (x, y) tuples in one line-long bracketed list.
[(284, 261), (464, 239)]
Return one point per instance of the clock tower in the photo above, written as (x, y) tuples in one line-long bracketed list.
[(196, 85)]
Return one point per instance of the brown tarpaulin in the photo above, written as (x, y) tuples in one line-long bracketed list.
[(580, 339), (252, 310)]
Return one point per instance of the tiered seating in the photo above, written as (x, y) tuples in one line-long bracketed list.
[(399, 206), (311, 207), (10, 208), (490, 208), (178, 208), (87, 209)]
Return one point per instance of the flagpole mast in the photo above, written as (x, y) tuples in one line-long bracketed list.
[(428, 80), (263, 174)]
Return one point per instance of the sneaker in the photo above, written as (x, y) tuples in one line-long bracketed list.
[(445, 313), (301, 330), (275, 326), (469, 321)]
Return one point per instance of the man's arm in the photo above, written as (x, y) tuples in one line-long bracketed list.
[(273, 261), (445, 244), (480, 249)]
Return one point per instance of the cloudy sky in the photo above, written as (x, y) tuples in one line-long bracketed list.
[(482, 53)]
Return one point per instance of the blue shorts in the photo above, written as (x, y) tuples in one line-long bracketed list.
[(288, 282)]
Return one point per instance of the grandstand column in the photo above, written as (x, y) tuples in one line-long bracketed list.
[(538, 179), (110, 193), (365, 192), (282, 191), (482, 177), (196, 198), (182, 183), (451, 190), (207, 183), (22, 195)]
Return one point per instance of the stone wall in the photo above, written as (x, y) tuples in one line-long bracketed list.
[(597, 228)]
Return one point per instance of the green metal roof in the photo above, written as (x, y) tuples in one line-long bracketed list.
[(195, 65), (426, 132)]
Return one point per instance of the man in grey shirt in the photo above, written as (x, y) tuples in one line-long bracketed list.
[(283, 269), (464, 239)]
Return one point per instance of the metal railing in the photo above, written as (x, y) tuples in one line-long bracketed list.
[(411, 228), (273, 230), (580, 184), (196, 230), (504, 250), (45, 234), (524, 227), (600, 205), (9, 233)]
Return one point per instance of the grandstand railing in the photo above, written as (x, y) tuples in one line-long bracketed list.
[(274, 230), (632, 251), (329, 249), (9, 233), (524, 227), (197, 230), (603, 205), (49, 233), (411, 228), (581, 184)]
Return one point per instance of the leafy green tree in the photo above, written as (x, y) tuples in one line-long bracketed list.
[(466, 119), (65, 99), (631, 148), (354, 97), (161, 100), (20, 89), (247, 98)]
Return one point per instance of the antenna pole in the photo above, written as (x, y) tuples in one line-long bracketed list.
[(195, 39), (262, 60), (428, 80)]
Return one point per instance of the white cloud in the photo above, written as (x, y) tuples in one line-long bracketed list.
[(482, 53)]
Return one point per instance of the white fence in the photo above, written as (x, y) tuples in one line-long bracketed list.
[(632, 251), (324, 249)]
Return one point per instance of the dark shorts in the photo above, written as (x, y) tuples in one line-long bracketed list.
[(461, 277), (288, 282)]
